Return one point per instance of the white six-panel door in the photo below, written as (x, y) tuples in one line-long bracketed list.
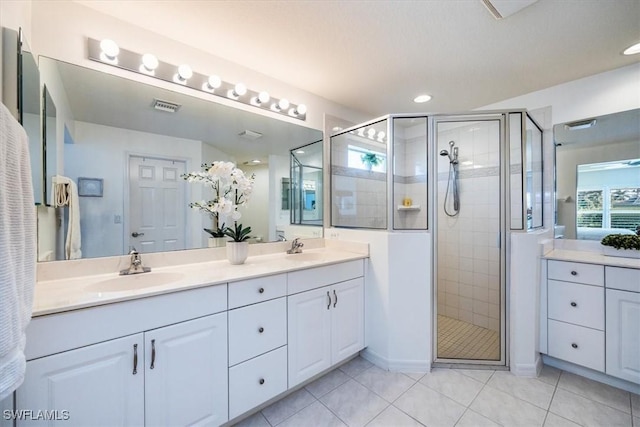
[(95, 384)]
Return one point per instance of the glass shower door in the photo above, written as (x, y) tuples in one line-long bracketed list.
[(469, 211)]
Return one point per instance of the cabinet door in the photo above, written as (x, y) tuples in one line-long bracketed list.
[(186, 373), (347, 319), (309, 319), (94, 385), (623, 335)]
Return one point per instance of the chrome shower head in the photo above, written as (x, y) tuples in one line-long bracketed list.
[(444, 153)]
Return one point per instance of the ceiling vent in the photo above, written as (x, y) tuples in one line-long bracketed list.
[(250, 135), (166, 106), (501, 9)]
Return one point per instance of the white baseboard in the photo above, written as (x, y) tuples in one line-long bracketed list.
[(396, 365), (591, 374), (531, 370)]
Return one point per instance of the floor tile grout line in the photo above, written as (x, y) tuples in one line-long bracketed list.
[(299, 410), (597, 401)]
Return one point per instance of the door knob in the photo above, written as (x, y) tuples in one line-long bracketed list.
[(136, 234)]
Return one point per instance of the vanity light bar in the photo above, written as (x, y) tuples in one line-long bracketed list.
[(183, 75)]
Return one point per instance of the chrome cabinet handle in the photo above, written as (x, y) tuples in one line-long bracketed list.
[(573, 304), (153, 354), (329, 297), (574, 345), (336, 296), (261, 290), (261, 329), (261, 381), (135, 359), (136, 234), (574, 273)]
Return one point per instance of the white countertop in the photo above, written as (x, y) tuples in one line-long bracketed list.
[(592, 258), (71, 293)]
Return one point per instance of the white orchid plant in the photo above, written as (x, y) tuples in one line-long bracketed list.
[(231, 189)]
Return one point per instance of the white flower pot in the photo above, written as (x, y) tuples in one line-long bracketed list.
[(217, 242), (237, 252), (624, 253)]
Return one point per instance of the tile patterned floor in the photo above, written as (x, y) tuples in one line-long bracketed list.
[(361, 394), (462, 340)]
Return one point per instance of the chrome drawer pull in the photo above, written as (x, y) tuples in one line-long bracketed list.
[(336, 301), (574, 345), (135, 359), (261, 381), (329, 297), (261, 329), (153, 354), (261, 290), (574, 273), (573, 304)]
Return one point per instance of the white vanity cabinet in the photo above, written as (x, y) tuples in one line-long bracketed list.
[(623, 323), (326, 321), (150, 375)]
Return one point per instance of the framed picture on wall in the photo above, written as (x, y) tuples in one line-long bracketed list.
[(90, 187)]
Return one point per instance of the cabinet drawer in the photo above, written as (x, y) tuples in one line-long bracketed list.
[(626, 279), (575, 303), (252, 291), (257, 329), (256, 381), (577, 344), (589, 274), (305, 280)]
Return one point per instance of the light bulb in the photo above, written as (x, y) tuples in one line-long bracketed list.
[(109, 48), (283, 104), (371, 133), (214, 82), (300, 110), (381, 135), (239, 89), (263, 97), (185, 72), (149, 62)]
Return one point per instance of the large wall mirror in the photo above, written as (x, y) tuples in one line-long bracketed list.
[(598, 176), (125, 144)]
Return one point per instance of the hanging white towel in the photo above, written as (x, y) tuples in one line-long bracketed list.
[(65, 193), (17, 250)]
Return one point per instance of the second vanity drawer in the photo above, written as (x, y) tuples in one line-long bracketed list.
[(257, 290), (257, 329), (576, 272), (575, 303), (256, 381), (577, 344), (626, 279)]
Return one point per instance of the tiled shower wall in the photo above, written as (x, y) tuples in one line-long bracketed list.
[(468, 244)]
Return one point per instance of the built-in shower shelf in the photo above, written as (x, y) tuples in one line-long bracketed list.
[(409, 208)]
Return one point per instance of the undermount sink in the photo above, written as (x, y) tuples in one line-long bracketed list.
[(134, 281), (306, 256)]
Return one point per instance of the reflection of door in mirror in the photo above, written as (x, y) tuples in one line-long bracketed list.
[(597, 175), (156, 201), (306, 185)]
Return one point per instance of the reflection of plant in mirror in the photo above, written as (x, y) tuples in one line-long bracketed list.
[(622, 241), (370, 159), (231, 188)]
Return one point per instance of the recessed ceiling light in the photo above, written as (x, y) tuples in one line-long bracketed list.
[(300, 152), (632, 50), (255, 161), (336, 128), (422, 98)]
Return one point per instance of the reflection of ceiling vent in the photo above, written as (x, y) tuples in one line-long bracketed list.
[(249, 134), (169, 107), (501, 9)]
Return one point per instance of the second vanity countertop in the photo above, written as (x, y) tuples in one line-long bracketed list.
[(592, 258), (54, 296)]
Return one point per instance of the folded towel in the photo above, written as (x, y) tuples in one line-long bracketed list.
[(65, 193), (17, 250)]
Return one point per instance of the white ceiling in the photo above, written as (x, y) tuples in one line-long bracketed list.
[(375, 56)]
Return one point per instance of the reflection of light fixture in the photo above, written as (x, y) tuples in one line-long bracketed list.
[(249, 134), (361, 131), (422, 98), (371, 133), (184, 73), (255, 161), (336, 129), (109, 51), (632, 50), (299, 151), (581, 124), (212, 83), (149, 64)]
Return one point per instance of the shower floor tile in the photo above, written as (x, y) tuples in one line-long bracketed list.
[(462, 340)]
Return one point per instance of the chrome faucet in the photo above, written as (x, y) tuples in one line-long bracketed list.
[(296, 246), (136, 264)]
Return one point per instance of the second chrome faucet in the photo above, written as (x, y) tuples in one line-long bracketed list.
[(296, 246)]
